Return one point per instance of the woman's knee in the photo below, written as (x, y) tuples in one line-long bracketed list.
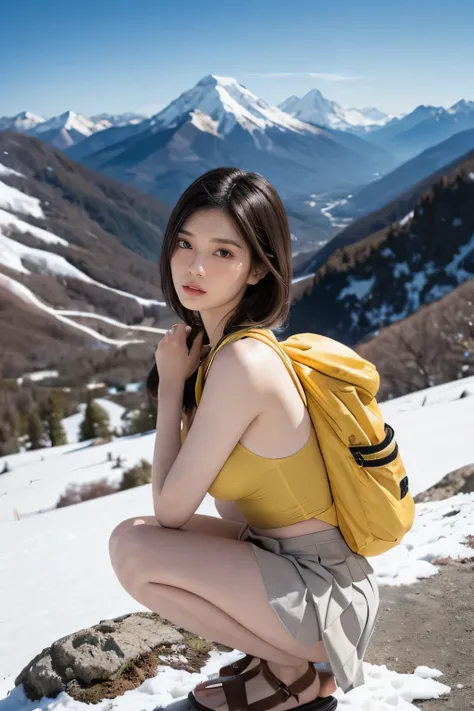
[(117, 540)]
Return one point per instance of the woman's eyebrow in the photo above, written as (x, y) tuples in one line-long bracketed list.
[(220, 240)]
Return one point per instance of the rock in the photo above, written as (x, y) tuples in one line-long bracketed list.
[(97, 653), (459, 481)]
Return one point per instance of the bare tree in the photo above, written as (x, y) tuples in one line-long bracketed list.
[(433, 346)]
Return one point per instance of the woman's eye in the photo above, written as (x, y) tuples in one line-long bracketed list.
[(227, 251), (183, 240)]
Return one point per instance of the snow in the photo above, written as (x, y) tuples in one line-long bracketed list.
[(38, 375), (438, 532), (357, 287), (13, 199), (453, 268), (4, 170), (111, 321), (66, 600), (439, 395), (409, 216), (401, 268), (13, 253), (427, 673), (11, 222), (45, 262), (32, 303)]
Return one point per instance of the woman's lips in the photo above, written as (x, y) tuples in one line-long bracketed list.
[(193, 292)]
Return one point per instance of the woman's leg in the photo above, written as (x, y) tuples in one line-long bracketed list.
[(197, 615), (158, 566), (179, 602)]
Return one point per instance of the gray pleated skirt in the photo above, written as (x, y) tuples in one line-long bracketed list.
[(321, 591)]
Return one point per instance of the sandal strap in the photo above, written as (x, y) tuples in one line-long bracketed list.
[(236, 695), (297, 686), (221, 680), (235, 691), (236, 667)]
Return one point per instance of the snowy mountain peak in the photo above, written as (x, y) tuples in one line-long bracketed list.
[(462, 106), (228, 103), (373, 113), (29, 116), (22, 122), (69, 121), (314, 108)]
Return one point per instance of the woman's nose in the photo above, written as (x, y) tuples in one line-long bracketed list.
[(197, 265)]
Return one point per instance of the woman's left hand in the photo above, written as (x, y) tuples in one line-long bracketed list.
[(174, 361)]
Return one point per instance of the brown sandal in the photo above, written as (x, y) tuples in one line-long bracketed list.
[(230, 671), (236, 667), (236, 695)]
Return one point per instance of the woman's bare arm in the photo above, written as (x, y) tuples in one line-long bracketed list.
[(234, 395)]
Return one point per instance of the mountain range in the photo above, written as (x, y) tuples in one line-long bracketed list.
[(79, 279), (424, 127), (220, 122), (66, 129), (331, 165), (84, 202)]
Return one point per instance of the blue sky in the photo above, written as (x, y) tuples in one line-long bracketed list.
[(119, 55)]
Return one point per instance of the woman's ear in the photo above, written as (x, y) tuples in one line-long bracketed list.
[(257, 273)]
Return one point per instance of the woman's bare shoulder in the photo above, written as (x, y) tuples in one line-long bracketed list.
[(256, 361)]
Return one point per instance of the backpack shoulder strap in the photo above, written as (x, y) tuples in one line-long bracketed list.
[(261, 334)]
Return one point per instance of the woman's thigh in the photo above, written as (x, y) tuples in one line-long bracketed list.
[(198, 523), (220, 570)]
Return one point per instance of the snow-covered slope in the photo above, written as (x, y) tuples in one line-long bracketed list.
[(314, 108), (17, 201), (82, 287), (15, 255), (421, 430), (18, 294), (434, 438)]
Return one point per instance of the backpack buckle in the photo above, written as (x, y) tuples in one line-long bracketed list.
[(358, 457)]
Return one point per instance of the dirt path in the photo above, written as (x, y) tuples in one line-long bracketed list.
[(431, 623)]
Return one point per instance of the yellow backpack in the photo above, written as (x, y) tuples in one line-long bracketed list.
[(365, 471)]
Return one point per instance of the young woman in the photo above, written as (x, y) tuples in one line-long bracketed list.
[(273, 576)]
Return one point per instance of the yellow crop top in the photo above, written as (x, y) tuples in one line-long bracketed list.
[(275, 492)]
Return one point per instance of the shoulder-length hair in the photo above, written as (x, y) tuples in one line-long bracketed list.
[(258, 214)]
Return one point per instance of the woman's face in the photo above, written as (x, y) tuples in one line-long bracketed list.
[(210, 254)]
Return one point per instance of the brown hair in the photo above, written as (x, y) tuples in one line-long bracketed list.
[(257, 212)]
